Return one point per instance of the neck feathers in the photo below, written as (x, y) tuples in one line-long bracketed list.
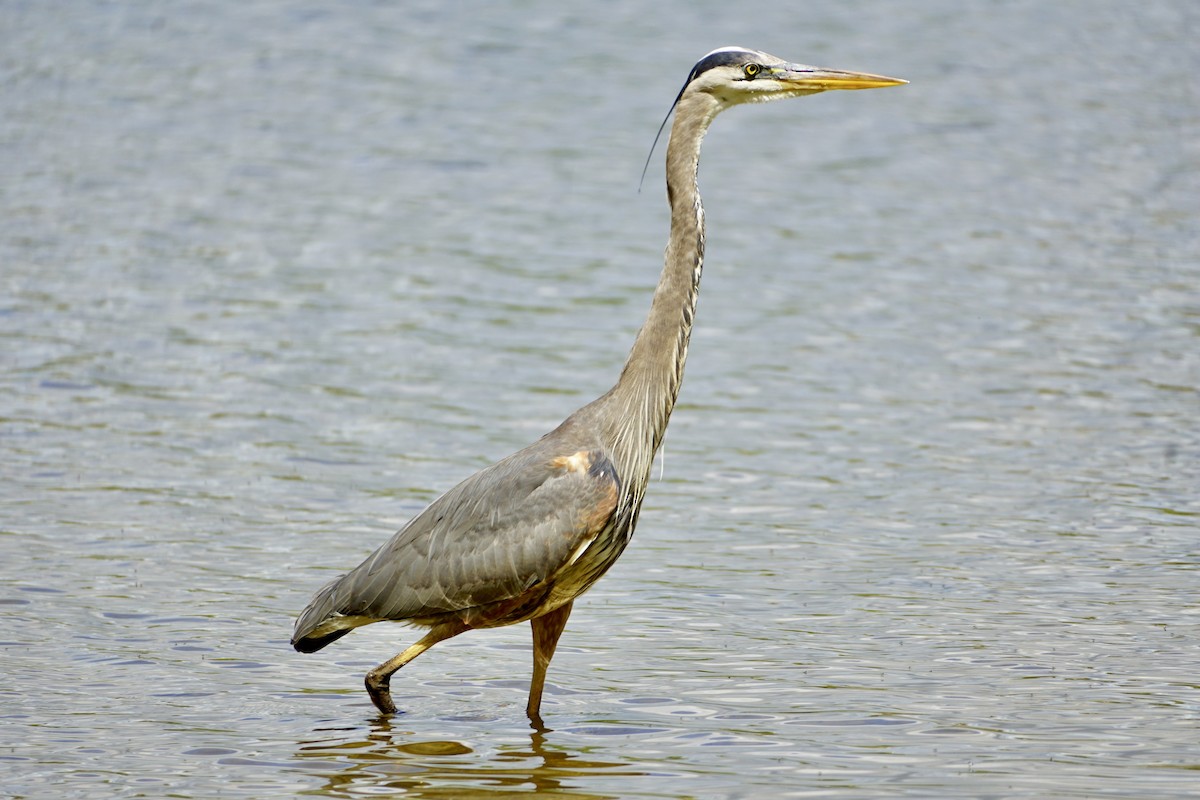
[(645, 395)]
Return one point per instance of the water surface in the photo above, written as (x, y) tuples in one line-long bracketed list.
[(276, 275)]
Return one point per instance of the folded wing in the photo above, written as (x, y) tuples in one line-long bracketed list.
[(502, 534)]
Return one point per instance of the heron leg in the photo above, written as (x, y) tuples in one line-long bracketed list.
[(379, 680), (546, 630)]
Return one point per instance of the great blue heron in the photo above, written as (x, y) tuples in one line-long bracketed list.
[(521, 539)]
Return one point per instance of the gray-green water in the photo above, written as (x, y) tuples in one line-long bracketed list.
[(273, 275)]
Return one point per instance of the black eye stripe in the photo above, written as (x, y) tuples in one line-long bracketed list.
[(721, 58)]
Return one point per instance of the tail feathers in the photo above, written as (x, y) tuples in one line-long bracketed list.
[(311, 644), (322, 622)]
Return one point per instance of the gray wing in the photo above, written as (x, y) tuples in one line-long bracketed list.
[(505, 529)]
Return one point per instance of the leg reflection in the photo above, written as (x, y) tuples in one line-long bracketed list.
[(392, 756)]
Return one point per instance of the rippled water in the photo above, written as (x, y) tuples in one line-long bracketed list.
[(275, 275)]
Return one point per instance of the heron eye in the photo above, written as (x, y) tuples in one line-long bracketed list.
[(751, 70)]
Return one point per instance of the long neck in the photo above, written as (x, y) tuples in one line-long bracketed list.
[(643, 398)]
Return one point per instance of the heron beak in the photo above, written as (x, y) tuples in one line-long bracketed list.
[(818, 79)]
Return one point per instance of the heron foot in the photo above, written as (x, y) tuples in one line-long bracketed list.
[(379, 687), (536, 722)]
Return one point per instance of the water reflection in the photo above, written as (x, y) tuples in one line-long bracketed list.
[(389, 759)]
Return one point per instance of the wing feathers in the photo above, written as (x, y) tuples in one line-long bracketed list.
[(491, 538)]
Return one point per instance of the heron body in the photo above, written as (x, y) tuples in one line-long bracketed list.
[(522, 538)]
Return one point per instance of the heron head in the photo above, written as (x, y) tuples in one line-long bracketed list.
[(735, 75), (730, 76)]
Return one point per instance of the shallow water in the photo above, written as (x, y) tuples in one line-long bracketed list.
[(274, 276)]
